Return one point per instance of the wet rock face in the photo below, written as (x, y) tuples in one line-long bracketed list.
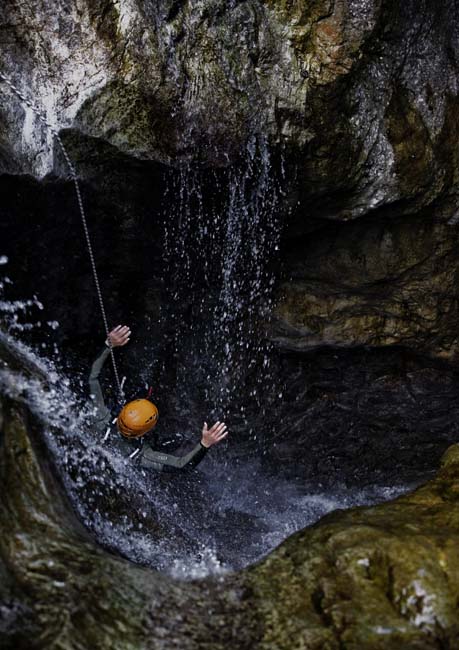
[(178, 81), (368, 578), (58, 582), (362, 94), (379, 283), (360, 417)]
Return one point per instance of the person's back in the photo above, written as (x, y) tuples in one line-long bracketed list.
[(130, 437)]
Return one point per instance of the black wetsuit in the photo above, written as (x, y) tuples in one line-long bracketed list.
[(144, 455)]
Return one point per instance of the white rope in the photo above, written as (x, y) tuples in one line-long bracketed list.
[(84, 222)]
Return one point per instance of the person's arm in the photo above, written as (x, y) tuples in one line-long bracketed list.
[(157, 460), (102, 411), (118, 337)]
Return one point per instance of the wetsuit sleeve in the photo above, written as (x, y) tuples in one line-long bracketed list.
[(157, 460), (102, 412)]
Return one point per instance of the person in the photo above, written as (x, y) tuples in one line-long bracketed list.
[(143, 454)]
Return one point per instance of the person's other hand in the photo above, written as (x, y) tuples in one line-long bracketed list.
[(211, 436), (119, 336)]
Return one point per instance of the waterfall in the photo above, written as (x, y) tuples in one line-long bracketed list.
[(221, 234)]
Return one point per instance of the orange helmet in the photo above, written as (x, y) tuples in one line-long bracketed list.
[(137, 418)]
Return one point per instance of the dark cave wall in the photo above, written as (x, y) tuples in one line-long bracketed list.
[(360, 99), (374, 282), (42, 236)]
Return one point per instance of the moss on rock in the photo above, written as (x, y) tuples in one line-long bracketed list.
[(369, 578)]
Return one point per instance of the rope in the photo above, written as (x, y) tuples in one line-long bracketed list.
[(84, 222)]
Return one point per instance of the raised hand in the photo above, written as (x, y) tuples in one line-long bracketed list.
[(211, 436), (119, 336)]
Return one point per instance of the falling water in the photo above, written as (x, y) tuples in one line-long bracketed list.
[(222, 233)]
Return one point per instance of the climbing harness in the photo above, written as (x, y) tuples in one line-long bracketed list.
[(84, 222)]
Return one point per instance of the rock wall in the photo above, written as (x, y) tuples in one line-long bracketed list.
[(377, 283), (358, 88), (365, 578), (358, 97)]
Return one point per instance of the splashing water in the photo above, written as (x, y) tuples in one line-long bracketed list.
[(14, 314), (216, 519), (228, 520)]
